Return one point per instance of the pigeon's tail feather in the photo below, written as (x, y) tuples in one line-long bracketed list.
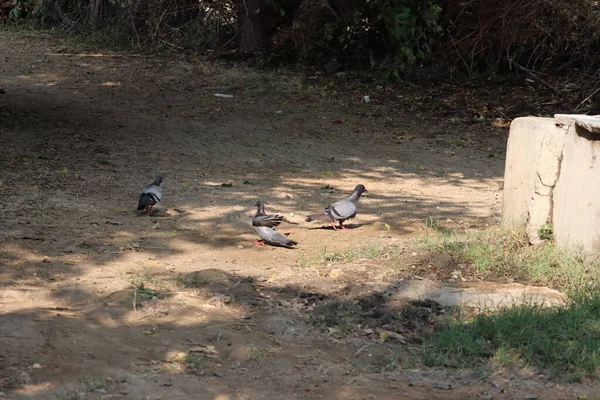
[(289, 243), (318, 216), (146, 200), (289, 222)]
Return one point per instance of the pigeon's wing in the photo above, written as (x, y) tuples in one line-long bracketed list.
[(154, 191), (267, 220), (342, 209), (272, 237), (150, 195)]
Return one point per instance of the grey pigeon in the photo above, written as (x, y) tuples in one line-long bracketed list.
[(264, 225), (341, 210), (150, 195)]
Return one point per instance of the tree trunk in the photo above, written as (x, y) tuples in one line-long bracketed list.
[(95, 9), (257, 25)]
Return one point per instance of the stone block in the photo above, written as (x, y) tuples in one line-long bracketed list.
[(552, 175), (576, 214), (533, 155)]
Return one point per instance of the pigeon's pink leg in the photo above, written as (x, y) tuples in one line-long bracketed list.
[(260, 243), (342, 227), (333, 225)]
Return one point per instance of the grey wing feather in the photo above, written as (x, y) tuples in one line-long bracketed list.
[(342, 209), (270, 220), (153, 189), (266, 220)]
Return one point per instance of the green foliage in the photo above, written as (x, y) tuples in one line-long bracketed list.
[(545, 232), (561, 339), (13, 11), (411, 27)]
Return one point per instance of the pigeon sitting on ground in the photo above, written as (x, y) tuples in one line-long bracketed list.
[(264, 226), (341, 210), (150, 195)]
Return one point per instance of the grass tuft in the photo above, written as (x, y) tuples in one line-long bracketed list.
[(505, 253), (562, 340), (368, 251)]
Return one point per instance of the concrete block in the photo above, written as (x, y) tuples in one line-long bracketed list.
[(533, 157), (552, 175), (576, 214)]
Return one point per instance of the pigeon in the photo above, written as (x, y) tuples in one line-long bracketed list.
[(341, 210), (150, 195), (264, 226)]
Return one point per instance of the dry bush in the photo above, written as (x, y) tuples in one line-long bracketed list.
[(538, 35)]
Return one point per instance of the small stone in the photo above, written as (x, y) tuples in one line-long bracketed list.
[(240, 247), (261, 279), (36, 366), (24, 378)]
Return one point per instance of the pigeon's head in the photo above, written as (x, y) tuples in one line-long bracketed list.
[(260, 204), (158, 180), (360, 189)]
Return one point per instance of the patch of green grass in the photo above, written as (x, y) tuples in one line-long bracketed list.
[(561, 340), (369, 251), (507, 253)]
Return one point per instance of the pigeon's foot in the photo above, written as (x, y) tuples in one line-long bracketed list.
[(333, 225), (342, 227), (259, 243)]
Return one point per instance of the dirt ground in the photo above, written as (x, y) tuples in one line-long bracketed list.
[(100, 303)]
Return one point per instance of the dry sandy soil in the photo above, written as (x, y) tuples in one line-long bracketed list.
[(100, 303)]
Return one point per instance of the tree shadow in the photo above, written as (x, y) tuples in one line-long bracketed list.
[(74, 158)]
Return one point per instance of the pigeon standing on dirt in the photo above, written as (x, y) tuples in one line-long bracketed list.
[(150, 195), (340, 211), (264, 226)]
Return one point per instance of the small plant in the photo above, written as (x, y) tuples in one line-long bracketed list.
[(64, 173), (146, 293), (254, 353), (431, 222), (545, 232), (140, 278)]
